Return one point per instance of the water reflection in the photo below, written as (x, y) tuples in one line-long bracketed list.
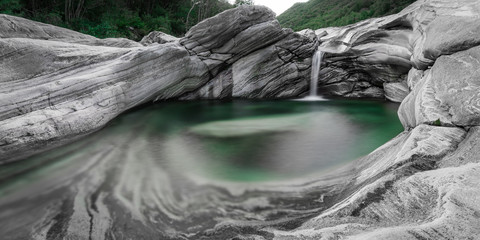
[(202, 170), (239, 140)]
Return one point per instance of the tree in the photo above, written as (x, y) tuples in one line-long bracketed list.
[(243, 2), (117, 18), (10, 6), (194, 3), (206, 9), (73, 10)]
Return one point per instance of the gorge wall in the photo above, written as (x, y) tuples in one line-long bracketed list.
[(419, 185), (58, 85), (392, 53)]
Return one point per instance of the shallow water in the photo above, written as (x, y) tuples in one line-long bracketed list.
[(248, 141), (194, 170)]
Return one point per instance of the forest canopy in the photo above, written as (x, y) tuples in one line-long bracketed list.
[(316, 14), (134, 19), (117, 18)]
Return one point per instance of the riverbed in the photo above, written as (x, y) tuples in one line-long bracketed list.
[(185, 170)]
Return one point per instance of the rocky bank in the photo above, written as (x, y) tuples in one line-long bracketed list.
[(59, 85)]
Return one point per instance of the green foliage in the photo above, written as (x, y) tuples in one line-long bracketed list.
[(437, 122), (117, 18), (133, 19), (316, 14), (12, 7), (243, 2)]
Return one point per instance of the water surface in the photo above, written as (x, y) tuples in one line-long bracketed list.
[(245, 140), (194, 170)]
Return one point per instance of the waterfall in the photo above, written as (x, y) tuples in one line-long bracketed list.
[(316, 62)]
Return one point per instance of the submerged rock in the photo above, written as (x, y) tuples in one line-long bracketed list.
[(244, 127)]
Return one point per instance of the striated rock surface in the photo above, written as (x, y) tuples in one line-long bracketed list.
[(402, 195), (58, 85), (16, 27), (280, 70), (157, 37), (54, 91), (220, 87), (362, 57), (397, 91), (420, 185), (448, 93), (380, 51)]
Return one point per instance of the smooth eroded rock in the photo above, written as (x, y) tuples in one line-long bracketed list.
[(75, 89), (16, 27), (214, 32), (278, 71), (448, 94), (396, 92), (157, 37)]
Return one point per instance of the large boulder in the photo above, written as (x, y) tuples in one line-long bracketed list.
[(397, 192), (220, 87), (59, 91), (215, 32), (442, 28), (261, 60), (58, 84), (362, 57), (157, 37), (448, 94), (380, 51), (278, 71), (16, 27)]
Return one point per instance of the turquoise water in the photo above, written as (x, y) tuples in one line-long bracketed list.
[(238, 141)]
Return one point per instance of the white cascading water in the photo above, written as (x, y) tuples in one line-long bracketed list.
[(316, 62)]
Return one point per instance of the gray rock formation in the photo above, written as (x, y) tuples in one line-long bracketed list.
[(16, 27), (381, 51), (396, 91), (448, 93), (157, 37), (220, 87), (278, 71), (222, 40), (361, 58), (58, 85), (54, 91), (420, 185)]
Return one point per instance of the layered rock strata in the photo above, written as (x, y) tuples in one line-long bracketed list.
[(58, 84), (420, 185), (423, 184), (375, 56), (157, 37)]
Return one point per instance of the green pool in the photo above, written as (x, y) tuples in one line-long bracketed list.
[(235, 141)]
